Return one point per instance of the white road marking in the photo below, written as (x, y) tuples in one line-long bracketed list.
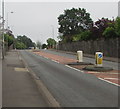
[(113, 78), (103, 72), (109, 81), (98, 78), (74, 68), (83, 72), (46, 58), (55, 61)]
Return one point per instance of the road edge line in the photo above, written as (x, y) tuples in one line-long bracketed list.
[(74, 68), (52, 102), (98, 77), (109, 82)]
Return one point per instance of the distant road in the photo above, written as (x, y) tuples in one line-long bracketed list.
[(72, 88)]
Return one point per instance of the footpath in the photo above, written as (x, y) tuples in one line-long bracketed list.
[(19, 89), (108, 76)]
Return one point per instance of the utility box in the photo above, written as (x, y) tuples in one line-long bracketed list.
[(99, 59), (80, 56)]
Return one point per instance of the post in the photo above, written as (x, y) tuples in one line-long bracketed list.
[(3, 48), (80, 56), (52, 34), (99, 59), (7, 19), (7, 26)]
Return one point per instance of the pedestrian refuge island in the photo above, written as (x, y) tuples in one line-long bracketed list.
[(90, 66), (98, 64)]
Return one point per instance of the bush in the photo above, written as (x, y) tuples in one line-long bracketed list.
[(109, 32), (76, 37), (117, 26), (85, 35)]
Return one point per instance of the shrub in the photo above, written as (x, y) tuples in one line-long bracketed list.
[(76, 37), (86, 35), (109, 32), (117, 26)]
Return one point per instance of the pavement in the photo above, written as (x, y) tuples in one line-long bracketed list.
[(19, 89), (108, 76)]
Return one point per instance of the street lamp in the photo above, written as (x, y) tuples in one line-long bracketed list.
[(53, 33), (8, 19), (52, 30), (7, 26)]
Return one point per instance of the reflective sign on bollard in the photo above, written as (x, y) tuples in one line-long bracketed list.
[(99, 58)]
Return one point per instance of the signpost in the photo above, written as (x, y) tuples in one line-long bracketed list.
[(99, 59)]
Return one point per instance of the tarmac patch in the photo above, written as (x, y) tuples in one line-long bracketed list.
[(21, 69)]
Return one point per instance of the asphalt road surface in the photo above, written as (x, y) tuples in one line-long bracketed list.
[(111, 64), (72, 88)]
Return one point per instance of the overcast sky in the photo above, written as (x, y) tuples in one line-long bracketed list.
[(37, 19)]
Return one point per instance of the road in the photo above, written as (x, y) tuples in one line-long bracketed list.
[(72, 88), (106, 63)]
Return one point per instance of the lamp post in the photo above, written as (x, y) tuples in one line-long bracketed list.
[(8, 18), (3, 21), (7, 25), (53, 33)]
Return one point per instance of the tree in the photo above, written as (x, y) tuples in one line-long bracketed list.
[(38, 44), (73, 21), (113, 30), (109, 32), (20, 45), (44, 46), (117, 26), (51, 42), (26, 41), (100, 27), (9, 40)]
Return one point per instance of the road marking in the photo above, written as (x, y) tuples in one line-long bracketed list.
[(103, 72), (74, 68), (113, 78), (46, 58), (21, 69), (55, 61), (98, 78), (109, 82)]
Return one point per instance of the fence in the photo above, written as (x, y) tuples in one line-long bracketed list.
[(110, 47)]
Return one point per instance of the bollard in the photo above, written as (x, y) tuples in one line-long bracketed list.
[(99, 59), (80, 56)]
